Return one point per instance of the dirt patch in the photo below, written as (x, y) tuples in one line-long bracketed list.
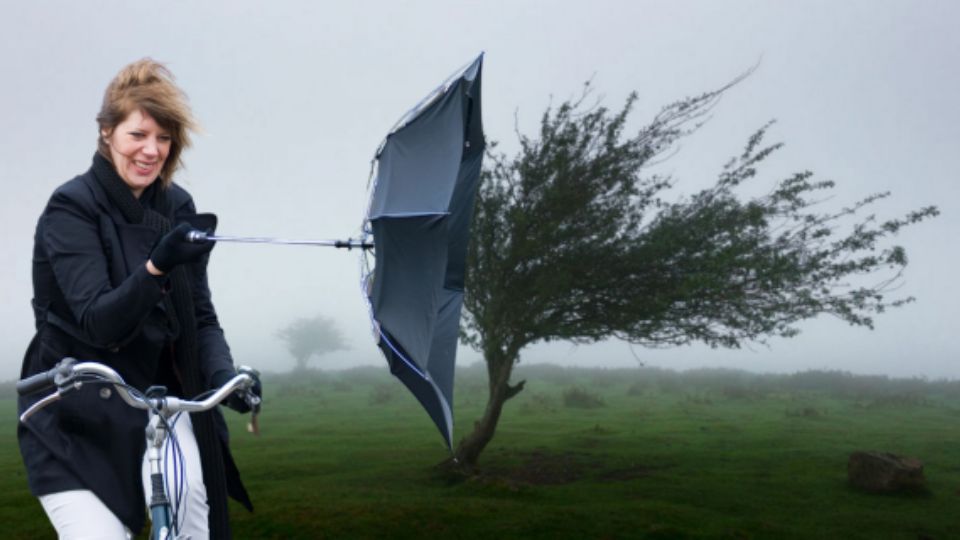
[(627, 473), (543, 468)]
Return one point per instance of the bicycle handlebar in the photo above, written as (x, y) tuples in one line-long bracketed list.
[(65, 377)]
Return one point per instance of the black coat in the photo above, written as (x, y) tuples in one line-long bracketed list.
[(94, 300)]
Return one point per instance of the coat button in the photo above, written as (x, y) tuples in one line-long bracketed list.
[(105, 393)]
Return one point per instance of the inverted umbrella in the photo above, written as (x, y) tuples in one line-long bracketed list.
[(426, 179)]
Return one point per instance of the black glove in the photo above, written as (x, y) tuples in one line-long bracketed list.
[(174, 249), (236, 401), (206, 221)]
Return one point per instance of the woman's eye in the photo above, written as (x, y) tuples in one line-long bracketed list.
[(165, 138), (136, 134)]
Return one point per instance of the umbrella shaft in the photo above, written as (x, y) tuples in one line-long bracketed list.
[(199, 236)]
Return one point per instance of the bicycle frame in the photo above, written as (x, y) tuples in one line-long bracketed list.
[(65, 376)]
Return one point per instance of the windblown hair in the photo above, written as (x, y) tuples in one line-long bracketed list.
[(149, 86)]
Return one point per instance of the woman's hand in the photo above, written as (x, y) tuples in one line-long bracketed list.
[(174, 249), (236, 400)]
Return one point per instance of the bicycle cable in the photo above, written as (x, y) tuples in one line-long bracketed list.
[(177, 494)]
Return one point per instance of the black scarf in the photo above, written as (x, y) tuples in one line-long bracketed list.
[(179, 307)]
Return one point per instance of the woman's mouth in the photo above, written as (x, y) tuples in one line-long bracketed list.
[(143, 167)]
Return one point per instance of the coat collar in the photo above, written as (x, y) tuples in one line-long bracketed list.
[(104, 179)]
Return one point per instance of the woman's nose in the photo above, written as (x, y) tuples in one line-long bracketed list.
[(150, 147)]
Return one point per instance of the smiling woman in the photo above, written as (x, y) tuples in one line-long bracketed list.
[(143, 105), (115, 280), (138, 150)]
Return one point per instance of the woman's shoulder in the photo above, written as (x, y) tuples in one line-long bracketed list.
[(177, 193), (78, 191), (180, 199)]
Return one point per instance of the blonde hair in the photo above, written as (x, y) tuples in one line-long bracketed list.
[(149, 86)]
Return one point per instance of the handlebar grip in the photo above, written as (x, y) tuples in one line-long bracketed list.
[(45, 379), (36, 383)]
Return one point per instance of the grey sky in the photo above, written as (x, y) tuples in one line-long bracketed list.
[(295, 96)]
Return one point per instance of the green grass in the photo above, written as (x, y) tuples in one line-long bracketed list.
[(695, 455)]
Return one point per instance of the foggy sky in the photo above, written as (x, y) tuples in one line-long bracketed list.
[(294, 98)]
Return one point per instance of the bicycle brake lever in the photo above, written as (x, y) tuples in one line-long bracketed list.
[(254, 401), (39, 405)]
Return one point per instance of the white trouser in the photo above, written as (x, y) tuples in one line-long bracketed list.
[(80, 515)]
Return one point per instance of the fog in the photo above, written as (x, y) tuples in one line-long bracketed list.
[(294, 98)]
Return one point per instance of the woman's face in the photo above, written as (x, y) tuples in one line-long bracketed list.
[(138, 148)]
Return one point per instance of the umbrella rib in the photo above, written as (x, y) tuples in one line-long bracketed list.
[(428, 100), (400, 355)]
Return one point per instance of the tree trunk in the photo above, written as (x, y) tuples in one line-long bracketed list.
[(468, 451)]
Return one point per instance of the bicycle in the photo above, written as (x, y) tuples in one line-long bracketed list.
[(70, 375)]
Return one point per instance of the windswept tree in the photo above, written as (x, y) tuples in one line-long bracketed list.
[(311, 336), (573, 239)]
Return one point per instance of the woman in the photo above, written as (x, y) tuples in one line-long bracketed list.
[(116, 281)]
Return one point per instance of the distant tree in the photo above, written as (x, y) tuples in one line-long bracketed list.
[(306, 337), (573, 240)]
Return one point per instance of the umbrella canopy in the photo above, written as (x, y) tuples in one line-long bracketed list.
[(427, 172)]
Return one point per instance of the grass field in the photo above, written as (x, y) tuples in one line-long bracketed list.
[(641, 453)]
